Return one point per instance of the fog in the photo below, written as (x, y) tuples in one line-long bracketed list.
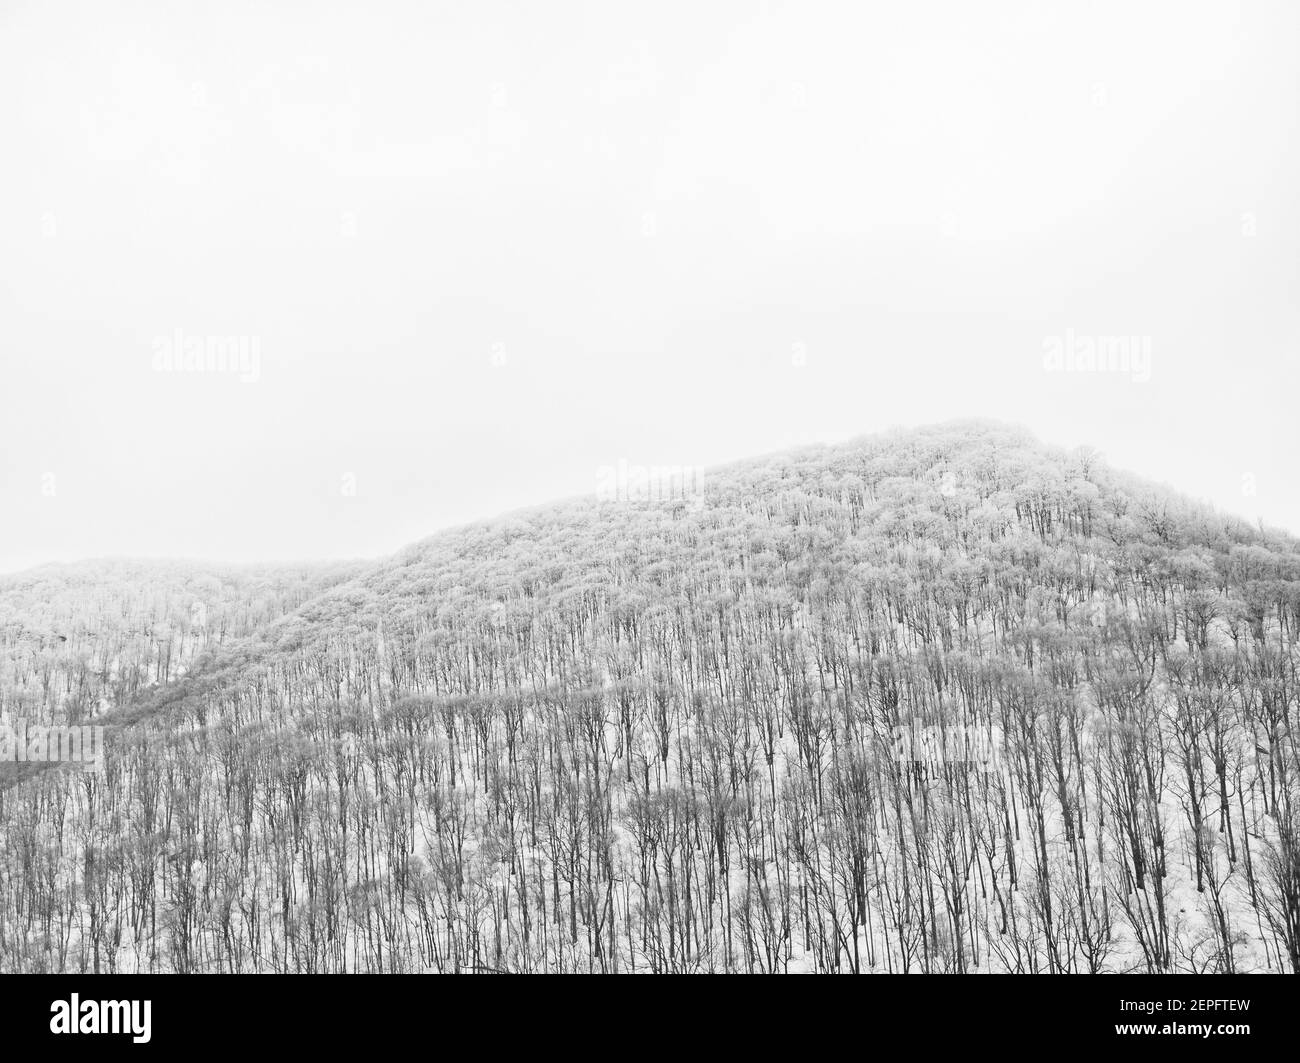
[(315, 280)]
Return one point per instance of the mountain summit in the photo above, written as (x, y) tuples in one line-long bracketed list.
[(934, 700)]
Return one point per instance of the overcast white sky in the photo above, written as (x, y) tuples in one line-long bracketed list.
[(483, 249)]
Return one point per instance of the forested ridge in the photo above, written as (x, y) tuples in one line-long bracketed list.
[(664, 737)]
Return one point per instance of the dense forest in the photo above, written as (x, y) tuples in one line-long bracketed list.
[(673, 737)]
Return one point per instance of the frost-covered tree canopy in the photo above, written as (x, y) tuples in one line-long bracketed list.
[(938, 700)]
